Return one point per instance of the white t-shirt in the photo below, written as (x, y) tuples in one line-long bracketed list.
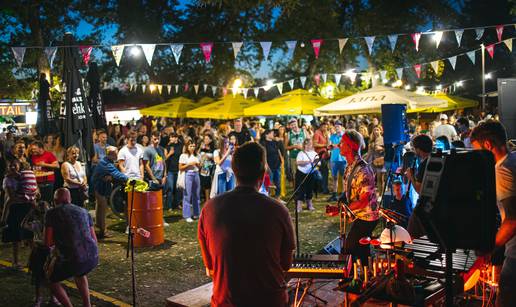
[(306, 156), (131, 158), (224, 166), (446, 130), (505, 171), (185, 159)]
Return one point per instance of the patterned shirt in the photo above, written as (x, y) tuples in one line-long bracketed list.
[(362, 181)]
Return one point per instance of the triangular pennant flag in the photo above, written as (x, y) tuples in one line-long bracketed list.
[(206, 50), (266, 47), (148, 51), (177, 49), (383, 75), (224, 91), (205, 87), (437, 38), (236, 48), (417, 68), (117, 50), (176, 87), (324, 77), (214, 90), (244, 92), (415, 39), (186, 87), (280, 87), (291, 84), (291, 45), (50, 52), (369, 41), (196, 88), (458, 35), (143, 88), (317, 79), (490, 50), (353, 76), (393, 39), (499, 32), (435, 66), (169, 89), (471, 56), (160, 88), (342, 43), (479, 32), (337, 78), (399, 72), (453, 61), (508, 43), (303, 81), (256, 90), (85, 52), (316, 44), (19, 54)]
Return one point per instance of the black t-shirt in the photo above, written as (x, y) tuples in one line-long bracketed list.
[(402, 206), (421, 170), (173, 160), (242, 136), (273, 158)]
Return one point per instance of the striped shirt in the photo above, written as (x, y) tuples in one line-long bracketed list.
[(27, 187)]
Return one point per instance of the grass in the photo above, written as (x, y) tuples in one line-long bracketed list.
[(161, 271)]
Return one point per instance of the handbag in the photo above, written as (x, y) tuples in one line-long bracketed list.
[(181, 178), (84, 188)]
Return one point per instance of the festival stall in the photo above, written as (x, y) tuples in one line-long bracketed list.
[(296, 102), (454, 103), (229, 107)]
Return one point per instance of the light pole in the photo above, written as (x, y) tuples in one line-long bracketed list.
[(483, 48)]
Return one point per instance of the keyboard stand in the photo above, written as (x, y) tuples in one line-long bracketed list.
[(306, 291)]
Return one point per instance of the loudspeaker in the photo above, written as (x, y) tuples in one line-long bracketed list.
[(507, 105), (332, 248), (395, 125), (457, 202)]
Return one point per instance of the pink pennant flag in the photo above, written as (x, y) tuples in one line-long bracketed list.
[(317, 79), (490, 50), (85, 51), (206, 50), (224, 91), (186, 87), (415, 39), (417, 68), (316, 44), (499, 32)]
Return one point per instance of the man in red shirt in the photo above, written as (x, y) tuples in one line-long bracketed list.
[(44, 164), (246, 238)]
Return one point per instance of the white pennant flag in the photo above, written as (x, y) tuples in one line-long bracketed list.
[(291, 45), (143, 88), (479, 32), (337, 78), (236, 48), (244, 92), (383, 75), (256, 91), (148, 51), (50, 52), (177, 49), (471, 56), (393, 39), (435, 66), (19, 54), (291, 84), (117, 50), (169, 88), (458, 35), (399, 72), (280, 87), (196, 88), (324, 77), (214, 90), (266, 47), (160, 88), (303, 81), (176, 86), (205, 87), (369, 41), (342, 43), (437, 38), (453, 61), (508, 43)]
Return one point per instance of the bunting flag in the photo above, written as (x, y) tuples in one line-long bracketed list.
[(291, 45), (256, 91), (160, 88), (453, 61), (352, 76), (177, 49), (50, 52), (317, 79), (205, 87), (266, 47), (471, 56), (399, 72), (148, 51), (393, 39), (169, 89), (303, 81), (118, 50), (383, 75), (458, 35), (176, 87), (437, 38), (143, 88), (499, 32), (280, 87), (435, 66), (224, 91), (508, 43), (369, 41), (236, 48), (316, 44), (479, 32), (337, 78), (324, 77), (490, 50), (19, 54), (415, 39), (206, 50), (417, 68), (196, 88), (186, 87), (244, 92), (342, 43), (214, 90), (85, 52), (291, 84)]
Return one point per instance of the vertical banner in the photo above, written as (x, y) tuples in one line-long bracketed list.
[(508, 43), (479, 32), (393, 39), (177, 49), (316, 44), (471, 56), (291, 45), (85, 52), (236, 48), (417, 68), (303, 81), (50, 52), (266, 47), (148, 51), (435, 66), (369, 41), (206, 51), (415, 39), (499, 32), (458, 35), (453, 61), (19, 54), (291, 84), (337, 78), (437, 38), (490, 50), (118, 50), (399, 72), (342, 43)]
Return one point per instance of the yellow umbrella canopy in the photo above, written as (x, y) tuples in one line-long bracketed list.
[(296, 102), (175, 107), (204, 101), (454, 103), (229, 107)]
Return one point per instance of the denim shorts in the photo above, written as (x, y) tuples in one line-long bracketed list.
[(338, 167)]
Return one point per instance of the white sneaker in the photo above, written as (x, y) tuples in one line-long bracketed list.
[(166, 224), (189, 220)]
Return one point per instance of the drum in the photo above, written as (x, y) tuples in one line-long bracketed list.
[(147, 214)]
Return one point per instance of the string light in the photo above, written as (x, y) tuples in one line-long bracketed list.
[(488, 76)]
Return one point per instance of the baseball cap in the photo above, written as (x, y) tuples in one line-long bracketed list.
[(443, 116), (337, 122)]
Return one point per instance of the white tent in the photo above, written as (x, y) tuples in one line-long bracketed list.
[(371, 100)]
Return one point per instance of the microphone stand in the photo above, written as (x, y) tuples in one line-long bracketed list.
[(130, 243)]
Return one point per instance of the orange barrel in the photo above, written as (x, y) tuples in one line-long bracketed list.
[(147, 214)]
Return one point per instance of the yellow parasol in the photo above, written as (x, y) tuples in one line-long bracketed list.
[(454, 103), (175, 107), (296, 102), (229, 107), (204, 101)]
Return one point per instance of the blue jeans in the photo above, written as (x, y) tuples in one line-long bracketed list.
[(275, 175), (338, 167), (172, 194), (224, 185), (192, 195)]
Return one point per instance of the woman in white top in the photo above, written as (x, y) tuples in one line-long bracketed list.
[(223, 179), (74, 176), (190, 163), (305, 161)]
